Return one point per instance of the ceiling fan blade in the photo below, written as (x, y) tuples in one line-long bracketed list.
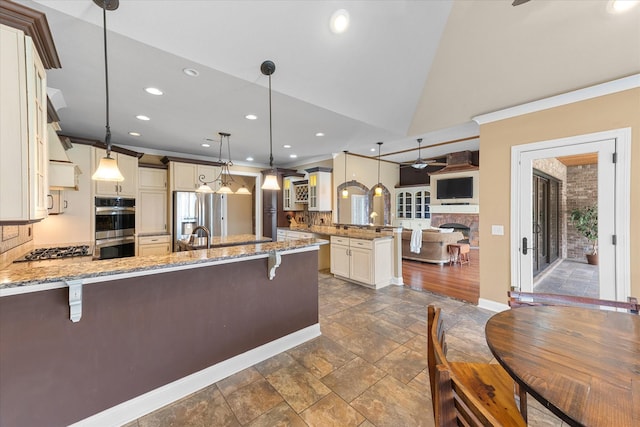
[(518, 2)]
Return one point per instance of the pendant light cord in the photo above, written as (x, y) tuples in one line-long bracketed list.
[(270, 129), (107, 138)]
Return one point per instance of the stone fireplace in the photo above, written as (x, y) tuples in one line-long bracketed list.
[(466, 223)]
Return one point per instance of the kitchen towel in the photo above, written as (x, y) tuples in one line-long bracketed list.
[(416, 240)]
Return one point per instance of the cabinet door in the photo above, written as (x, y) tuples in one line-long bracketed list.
[(313, 191), (14, 166), (287, 186), (361, 265), (154, 249), (183, 176), (152, 179), (152, 209), (340, 260), (128, 166), (37, 131)]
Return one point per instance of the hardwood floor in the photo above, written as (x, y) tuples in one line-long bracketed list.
[(460, 282)]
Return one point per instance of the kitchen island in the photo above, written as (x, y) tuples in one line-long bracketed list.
[(221, 241), (150, 330)]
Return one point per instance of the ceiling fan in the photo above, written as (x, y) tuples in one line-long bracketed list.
[(421, 163)]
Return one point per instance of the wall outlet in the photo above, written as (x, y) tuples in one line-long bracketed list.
[(497, 230)]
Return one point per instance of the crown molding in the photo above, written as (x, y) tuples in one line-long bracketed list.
[(607, 88)]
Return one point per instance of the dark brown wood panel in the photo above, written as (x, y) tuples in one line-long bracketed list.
[(140, 333), (455, 281)]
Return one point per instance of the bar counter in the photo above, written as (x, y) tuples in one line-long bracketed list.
[(221, 241), (105, 342), (30, 274)]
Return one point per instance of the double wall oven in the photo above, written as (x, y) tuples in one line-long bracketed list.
[(115, 226)]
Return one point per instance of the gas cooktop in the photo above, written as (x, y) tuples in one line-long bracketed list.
[(56, 253)]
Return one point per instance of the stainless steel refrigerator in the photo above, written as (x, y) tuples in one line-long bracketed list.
[(191, 209)]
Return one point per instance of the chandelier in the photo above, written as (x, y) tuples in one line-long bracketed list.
[(225, 178)]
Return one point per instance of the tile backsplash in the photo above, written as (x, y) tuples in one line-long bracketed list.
[(14, 241)]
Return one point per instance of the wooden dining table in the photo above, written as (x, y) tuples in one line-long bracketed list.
[(582, 364)]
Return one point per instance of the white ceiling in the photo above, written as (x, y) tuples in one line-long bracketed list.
[(404, 69)]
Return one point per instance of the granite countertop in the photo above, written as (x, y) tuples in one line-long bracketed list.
[(356, 233), (222, 241), (27, 274)]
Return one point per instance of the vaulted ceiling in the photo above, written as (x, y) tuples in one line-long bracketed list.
[(403, 70)]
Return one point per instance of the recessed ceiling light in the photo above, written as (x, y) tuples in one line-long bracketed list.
[(286, 146), (134, 134), (620, 6), (319, 134), (339, 21), (250, 117), (372, 149), (293, 156), (205, 145), (191, 72), (143, 118), (153, 91), (249, 159)]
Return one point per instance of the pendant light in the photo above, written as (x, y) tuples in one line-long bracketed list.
[(108, 167), (225, 176), (345, 192), (271, 179), (378, 191)]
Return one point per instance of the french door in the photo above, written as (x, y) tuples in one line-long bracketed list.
[(613, 218)]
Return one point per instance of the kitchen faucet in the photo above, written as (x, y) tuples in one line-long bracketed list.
[(207, 234)]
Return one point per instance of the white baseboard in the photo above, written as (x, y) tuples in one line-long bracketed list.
[(492, 305), (155, 399), (397, 281)]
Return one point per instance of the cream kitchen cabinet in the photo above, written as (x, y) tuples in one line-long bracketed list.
[(151, 204), (57, 202), (23, 129), (128, 166), (320, 189), (284, 235), (152, 179), (154, 245), (366, 262), (186, 176), (289, 199)]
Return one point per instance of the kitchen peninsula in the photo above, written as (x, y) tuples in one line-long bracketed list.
[(150, 329), (221, 241)]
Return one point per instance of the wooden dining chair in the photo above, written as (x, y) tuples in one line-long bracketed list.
[(520, 299), (470, 394)]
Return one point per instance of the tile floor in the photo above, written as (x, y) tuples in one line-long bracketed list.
[(369, 367), (569, 277)]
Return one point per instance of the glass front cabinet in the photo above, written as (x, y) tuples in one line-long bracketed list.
[(413, 203)]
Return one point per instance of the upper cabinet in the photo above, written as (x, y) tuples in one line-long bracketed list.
[(290, 201), (128, 166), (320, 189), (189, 176), (23, 129)]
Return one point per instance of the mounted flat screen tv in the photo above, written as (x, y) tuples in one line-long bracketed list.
[(455, 188)]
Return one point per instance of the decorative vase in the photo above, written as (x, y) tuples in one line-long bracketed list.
[(592, 259)]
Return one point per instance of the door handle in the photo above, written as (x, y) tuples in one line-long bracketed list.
[(525, 249)]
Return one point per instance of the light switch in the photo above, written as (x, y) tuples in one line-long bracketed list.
[(497, 230)]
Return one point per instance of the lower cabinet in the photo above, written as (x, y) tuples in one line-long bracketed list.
[(154, 245), (367, 262)]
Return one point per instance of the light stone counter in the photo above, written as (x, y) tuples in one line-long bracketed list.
[(16, 277), (356, 233)]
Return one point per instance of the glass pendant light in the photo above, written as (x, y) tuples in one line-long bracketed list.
[(271, 179), (345, 192), (378, 190), (108, 167)]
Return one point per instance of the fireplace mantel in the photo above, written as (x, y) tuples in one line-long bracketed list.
[(461, 209)]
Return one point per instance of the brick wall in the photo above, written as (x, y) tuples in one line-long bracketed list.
[(582, 190)]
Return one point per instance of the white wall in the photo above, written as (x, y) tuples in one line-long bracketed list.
[(74, 226)]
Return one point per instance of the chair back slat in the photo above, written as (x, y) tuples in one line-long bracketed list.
[(524, 299), (456, 403)]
